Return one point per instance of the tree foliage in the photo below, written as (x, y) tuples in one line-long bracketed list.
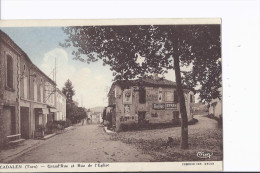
[(163, 47), (68, 90), (120, 46)]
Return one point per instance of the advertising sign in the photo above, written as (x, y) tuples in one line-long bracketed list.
[(171, 106), (127, 96), (158, 106), (151, 95)]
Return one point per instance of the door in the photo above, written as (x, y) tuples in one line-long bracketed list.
[(141, 117), (25, 122), (9, 119)]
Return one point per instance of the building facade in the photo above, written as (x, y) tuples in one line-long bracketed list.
[(60, 106), (27, 95), (148, 100), (215, 106), (9, 89)]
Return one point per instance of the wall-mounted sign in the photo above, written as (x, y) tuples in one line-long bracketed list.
[(127, 96), (171, 106), (158, 106)]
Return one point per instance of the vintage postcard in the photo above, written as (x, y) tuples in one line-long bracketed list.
[(111, 95)]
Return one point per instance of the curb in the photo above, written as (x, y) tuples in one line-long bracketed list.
[(49, 136)]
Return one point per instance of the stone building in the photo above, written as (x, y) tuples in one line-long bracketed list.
[(148, 100), (27, 95), (9, 89)]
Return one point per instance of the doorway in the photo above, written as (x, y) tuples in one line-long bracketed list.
[(25, 122), (141, 117), (9, 118)]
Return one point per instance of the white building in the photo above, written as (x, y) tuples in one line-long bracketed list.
[(216, 106), (60, 106)]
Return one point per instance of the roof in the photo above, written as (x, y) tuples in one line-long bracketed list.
[(148, 81), (9, 41)]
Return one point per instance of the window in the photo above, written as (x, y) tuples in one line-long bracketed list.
[(191, 98), (9, 76), (25, 87), (142, 95), (41, 93), (35, 90), (175, 97)]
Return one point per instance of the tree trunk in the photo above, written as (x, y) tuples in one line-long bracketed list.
[(184, 118)]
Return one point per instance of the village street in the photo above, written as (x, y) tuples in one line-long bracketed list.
[(90, 143), (87, 143)]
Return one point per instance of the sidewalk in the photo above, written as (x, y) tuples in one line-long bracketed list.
[(12, 152)]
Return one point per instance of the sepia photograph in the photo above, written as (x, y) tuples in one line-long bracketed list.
[(111, 91)]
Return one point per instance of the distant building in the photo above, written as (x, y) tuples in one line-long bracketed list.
[(216, 106), (95, 117), (147, 100), (60, 106)]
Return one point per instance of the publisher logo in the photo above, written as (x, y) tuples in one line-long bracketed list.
[(204, 155)]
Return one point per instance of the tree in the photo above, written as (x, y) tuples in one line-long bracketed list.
[(68, 90), (164, 48)]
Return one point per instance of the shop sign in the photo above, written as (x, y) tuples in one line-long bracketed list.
[(158, 106), (171, 106)]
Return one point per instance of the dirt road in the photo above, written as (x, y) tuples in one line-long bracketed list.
[(87, 143)]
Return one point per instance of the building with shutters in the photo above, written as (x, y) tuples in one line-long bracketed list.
[(149, 100), (27, 95)]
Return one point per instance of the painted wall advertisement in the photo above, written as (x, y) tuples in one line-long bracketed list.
[(151, 95), (127, 96)]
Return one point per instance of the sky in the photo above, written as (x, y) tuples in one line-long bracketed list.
[(91, 81)]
